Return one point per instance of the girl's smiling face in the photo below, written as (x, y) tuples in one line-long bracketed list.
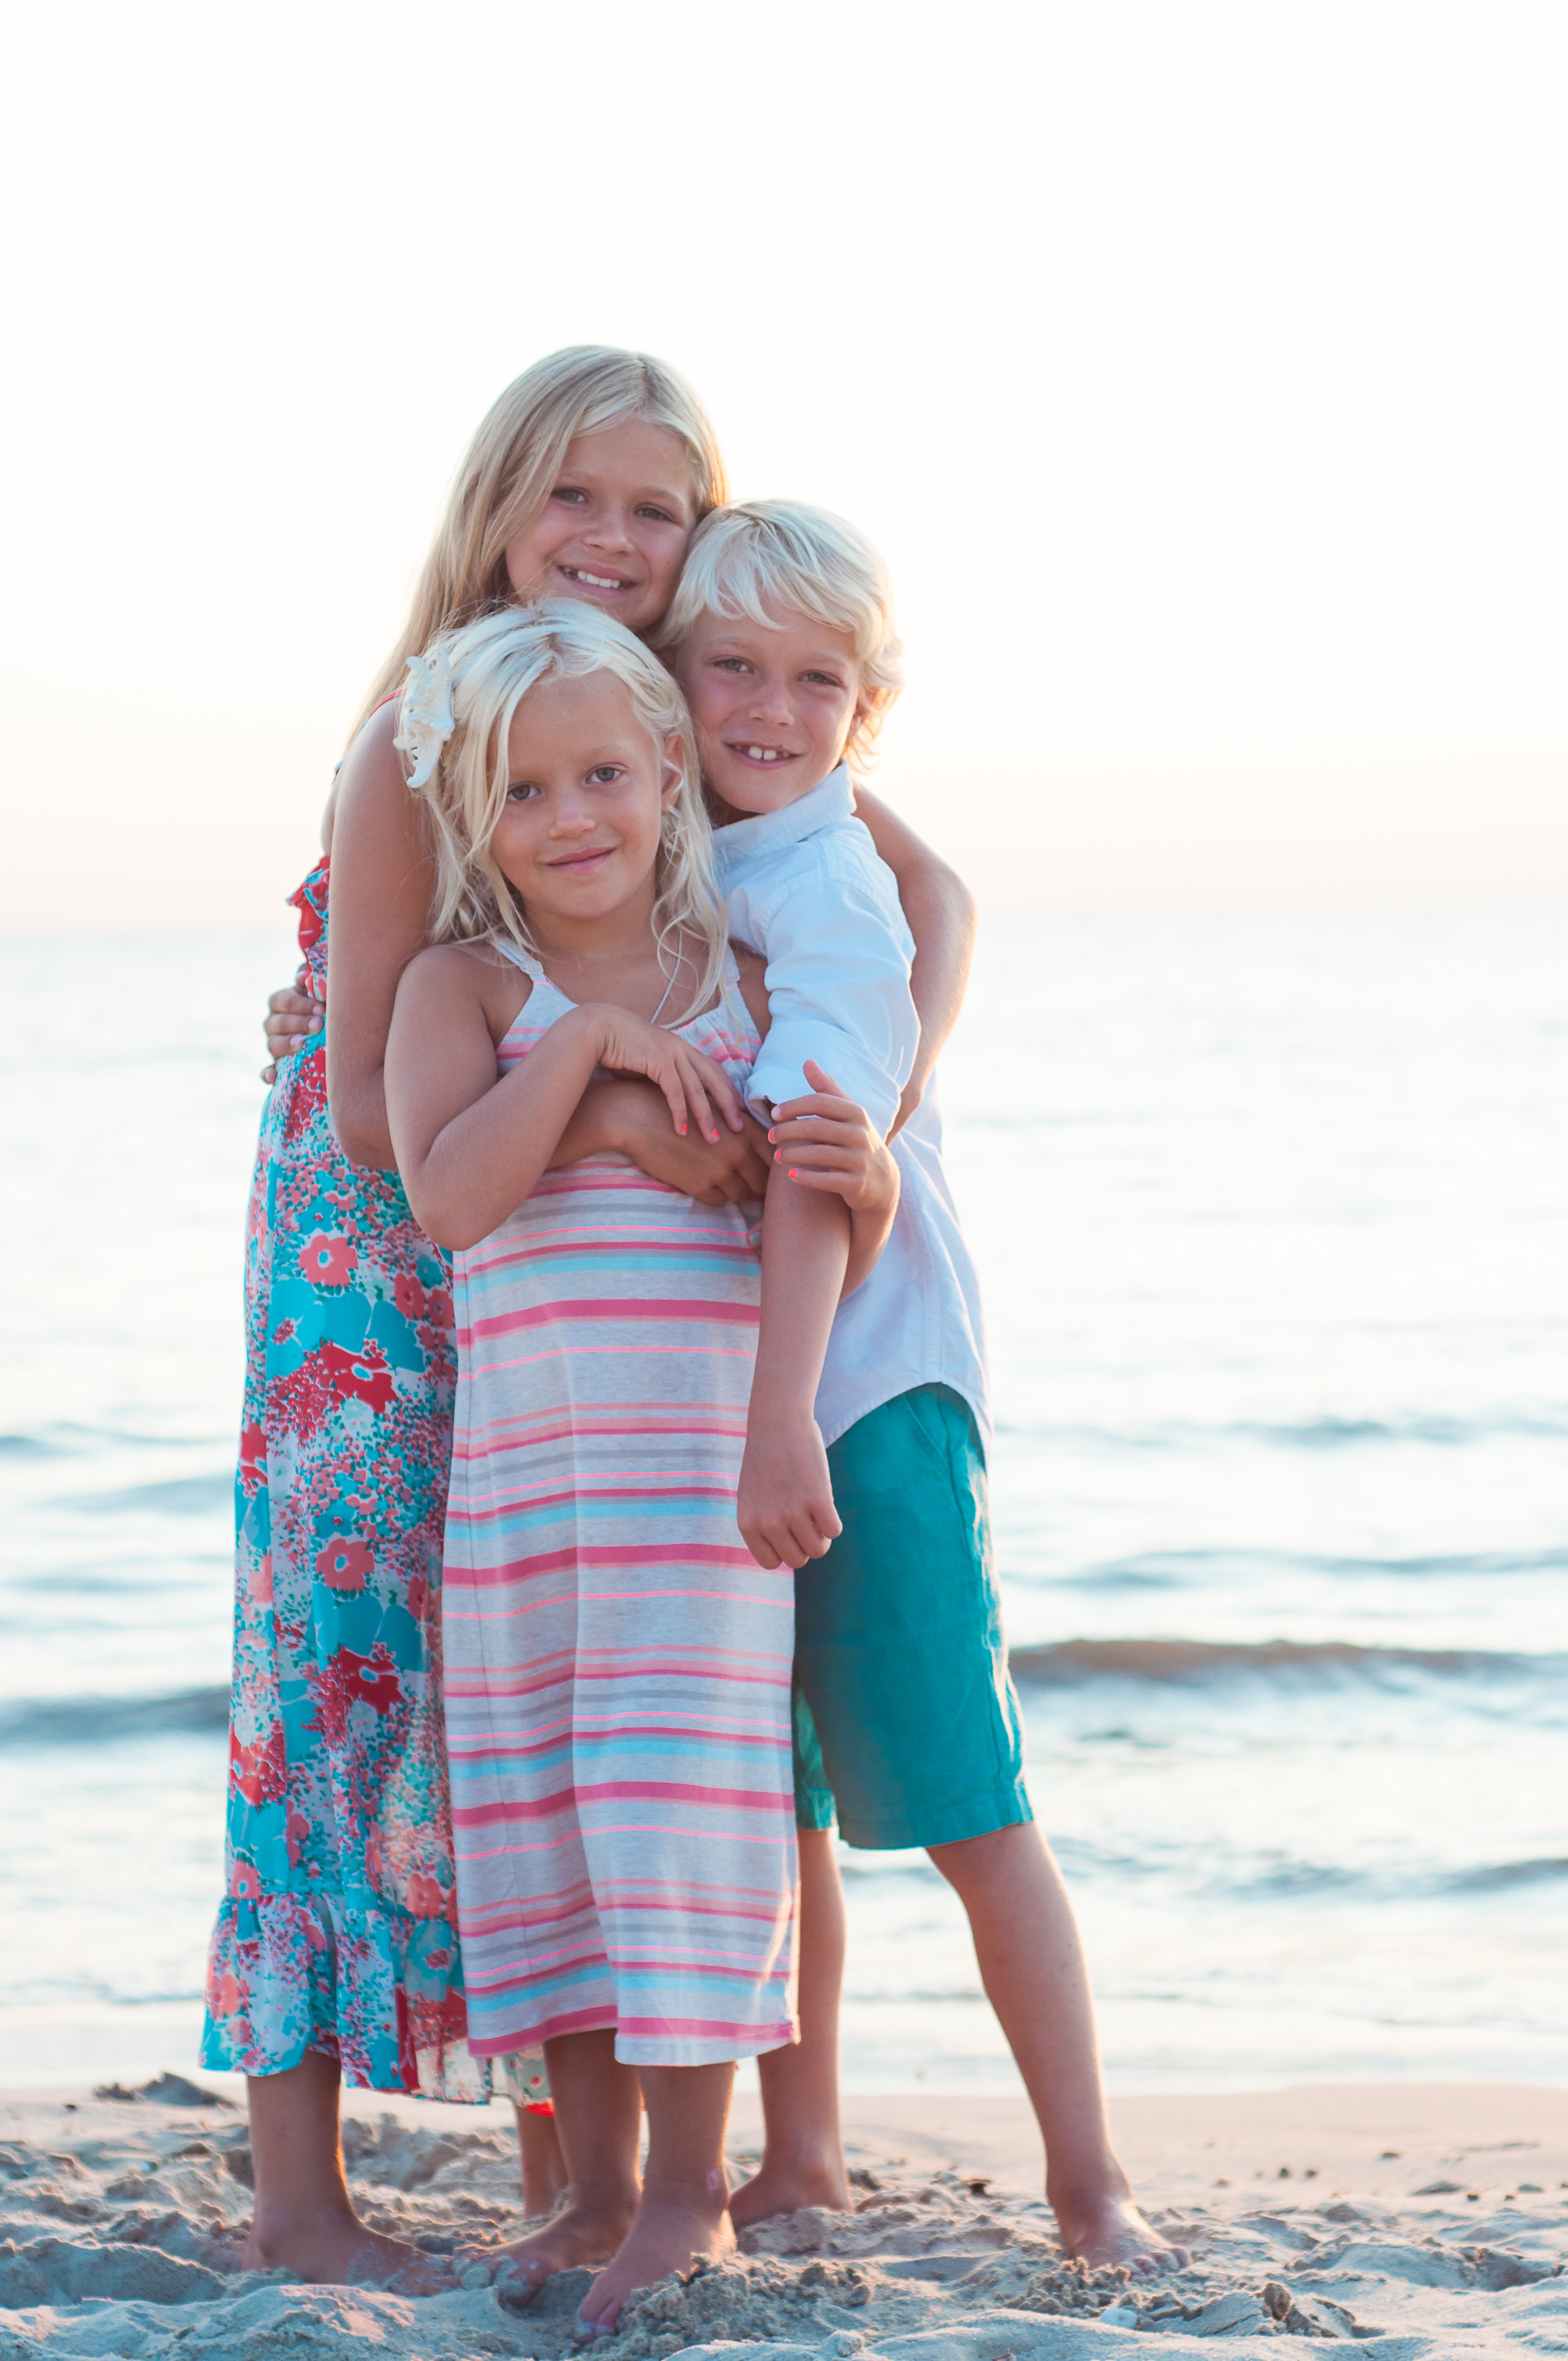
[(579, 836), (615, 527), (774, 706)]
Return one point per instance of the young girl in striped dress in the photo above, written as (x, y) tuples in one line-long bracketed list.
[(617, 1663)]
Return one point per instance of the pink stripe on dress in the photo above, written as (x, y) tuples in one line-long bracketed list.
[(618, 1664)]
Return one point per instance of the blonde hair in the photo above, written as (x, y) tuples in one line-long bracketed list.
[(498, 661), (780, 552), (507, 472)]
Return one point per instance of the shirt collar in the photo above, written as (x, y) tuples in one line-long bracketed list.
[(833, 799)]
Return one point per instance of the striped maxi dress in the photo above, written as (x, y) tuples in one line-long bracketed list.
[(618, 1664)]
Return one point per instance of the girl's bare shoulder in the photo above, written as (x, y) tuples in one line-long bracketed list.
[(469, 975)]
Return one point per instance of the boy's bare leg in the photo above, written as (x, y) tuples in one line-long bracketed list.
[(599, 2111), (1031, 1962), (803, 2155), (304, 2219), (684, 2216), (544, 2164)]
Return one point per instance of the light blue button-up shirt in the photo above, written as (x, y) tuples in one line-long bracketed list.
[(806, 889)]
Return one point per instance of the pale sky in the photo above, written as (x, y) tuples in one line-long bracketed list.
[(1201, 369)]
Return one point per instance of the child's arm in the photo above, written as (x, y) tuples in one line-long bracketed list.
[(941, 914), (632, 1119), (381, 888), (471, 1147), (785, 1503), (826, 1142)]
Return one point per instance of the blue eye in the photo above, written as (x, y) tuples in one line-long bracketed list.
[(606, 774)]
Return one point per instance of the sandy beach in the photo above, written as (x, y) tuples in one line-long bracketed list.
[(1431, 2219)]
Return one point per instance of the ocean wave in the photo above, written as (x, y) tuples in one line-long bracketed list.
[(1223, 1873), (1068, 1664), (1196, 1569), (181, 1496), (1294, 1434), (104, 1720), (75, 1439), (1498, 1877)]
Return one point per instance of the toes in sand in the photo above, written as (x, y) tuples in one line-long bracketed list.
[(785, 2188), (588, 2230), (1113, 2231), (675, 2227), (343, 2253)]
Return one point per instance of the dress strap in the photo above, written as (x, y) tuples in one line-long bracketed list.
[(519, 957)]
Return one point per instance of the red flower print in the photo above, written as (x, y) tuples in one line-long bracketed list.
[(408, 1295), (419, 1597), (329, 1261), (312, 924), (438, 1306), (366, 1376), (259, 1772), (307, 1104), (346, 1679), (344, 1563), (227, 1994), (253, 1456), (246, 1883), (261, 1580), (424, 1898), (372, 1678)]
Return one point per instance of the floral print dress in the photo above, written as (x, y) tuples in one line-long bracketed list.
[(338, 1929)]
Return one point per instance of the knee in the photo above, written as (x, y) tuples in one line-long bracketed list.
[(977, 1862)]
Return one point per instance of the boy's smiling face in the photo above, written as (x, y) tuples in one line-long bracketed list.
[(774, 704)]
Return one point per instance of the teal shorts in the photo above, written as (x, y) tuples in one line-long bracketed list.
[(906, 1721)]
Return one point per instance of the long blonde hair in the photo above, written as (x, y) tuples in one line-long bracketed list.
[(495, 661), (507, 472)]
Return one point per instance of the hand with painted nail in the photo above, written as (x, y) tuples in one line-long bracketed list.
[(696, 1087)]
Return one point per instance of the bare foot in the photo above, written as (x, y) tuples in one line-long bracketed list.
[(589, 2230), (338, 2250), (678, 2224), (779, 2188), (1111, 2230), (544, 2174)]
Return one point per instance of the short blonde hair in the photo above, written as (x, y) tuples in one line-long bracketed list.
[(759, 553), (506, 476), (497, 662)]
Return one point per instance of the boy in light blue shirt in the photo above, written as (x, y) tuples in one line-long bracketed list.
[(907, 1726)]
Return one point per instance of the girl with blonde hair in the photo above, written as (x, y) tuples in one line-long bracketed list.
[(335, 1952), (619, 1714)]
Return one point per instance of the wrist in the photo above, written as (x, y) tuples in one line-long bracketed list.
[(782, 1404)]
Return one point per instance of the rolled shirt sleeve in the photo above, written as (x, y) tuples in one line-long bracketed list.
[(839, 954)]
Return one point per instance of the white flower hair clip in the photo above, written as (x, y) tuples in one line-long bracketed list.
[(426, 721)]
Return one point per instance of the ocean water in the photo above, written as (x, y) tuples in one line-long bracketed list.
[(1272, 1221)]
